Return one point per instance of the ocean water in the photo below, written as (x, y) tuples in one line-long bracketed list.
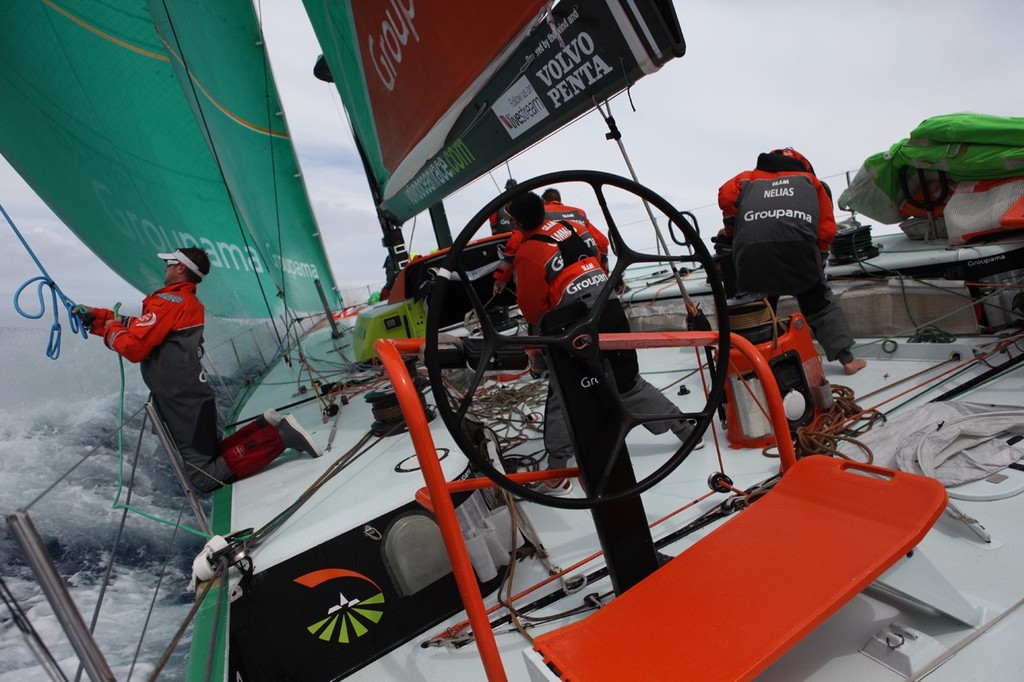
[(58, 417)]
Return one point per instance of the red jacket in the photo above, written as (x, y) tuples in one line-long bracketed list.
[(171, 309), (501, 222), (553, 210), (545, 280), (780, 219), (167, 341), (729, 194)]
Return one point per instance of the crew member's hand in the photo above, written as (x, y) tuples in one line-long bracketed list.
[(84, 314), (499, 287), (94, 318)]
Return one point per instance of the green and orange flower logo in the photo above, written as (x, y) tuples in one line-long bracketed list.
[(360, 605)]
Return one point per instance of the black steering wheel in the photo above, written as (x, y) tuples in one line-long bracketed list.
[(580, 337)]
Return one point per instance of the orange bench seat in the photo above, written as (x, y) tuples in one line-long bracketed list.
[(734, 602)]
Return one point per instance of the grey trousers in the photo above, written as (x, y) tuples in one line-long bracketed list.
[(826, 319), (642, 398)]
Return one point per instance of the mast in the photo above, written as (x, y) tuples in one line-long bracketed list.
[(442, 231), (392, 238)]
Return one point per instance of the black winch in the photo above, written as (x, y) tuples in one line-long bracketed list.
[(852, 243), (387, 414)]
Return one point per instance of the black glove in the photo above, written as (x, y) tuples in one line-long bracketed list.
[(722, 242), (84, 314)]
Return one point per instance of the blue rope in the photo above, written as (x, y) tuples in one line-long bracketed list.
[(74, 321)]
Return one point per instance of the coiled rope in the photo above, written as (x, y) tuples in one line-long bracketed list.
[(74, 322), (841, 422), (823, 434)]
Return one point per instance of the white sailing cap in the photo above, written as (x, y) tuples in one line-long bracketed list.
[(183, 259)]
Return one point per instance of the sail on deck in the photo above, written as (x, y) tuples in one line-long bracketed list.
[(959, 146), (147, 127)]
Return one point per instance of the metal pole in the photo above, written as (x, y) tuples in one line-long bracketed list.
[(259, 351), (238, 360), (439, 219), (662, 244), (57, 595), (172, 453), (213, 366), (335, 332)]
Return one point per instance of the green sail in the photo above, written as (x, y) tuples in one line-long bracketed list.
[(962, 146), (100, 117)]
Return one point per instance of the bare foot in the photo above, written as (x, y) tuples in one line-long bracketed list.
[(855, 366)]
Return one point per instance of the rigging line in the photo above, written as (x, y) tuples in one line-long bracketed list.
[(720, 510), (615, 134), (32, 639), (124, 515), (864, 266), (931, 322), (127, 506), (972, 302), (222, 605), (156, 590), (989, 375), (955, 371), (74, 321), (258, 536), (270, 150), (220, 166), (75, 466), (734, 503), (490, 174), (173, 644)]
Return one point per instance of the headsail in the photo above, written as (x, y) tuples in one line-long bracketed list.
[(439, 93), (960, 147), (149, 127)]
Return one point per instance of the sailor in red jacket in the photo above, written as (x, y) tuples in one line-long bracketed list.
[(780, 220), (166, 340), (560, 262), (554, 209), (500, 220)]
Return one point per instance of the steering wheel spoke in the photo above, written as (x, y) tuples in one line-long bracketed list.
[(571, 347)]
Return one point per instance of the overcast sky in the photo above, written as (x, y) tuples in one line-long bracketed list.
[(838, 81)]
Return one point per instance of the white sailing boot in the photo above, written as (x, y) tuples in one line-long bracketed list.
[(295, 437)]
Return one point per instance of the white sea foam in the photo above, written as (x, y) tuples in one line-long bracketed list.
[(58, 417)]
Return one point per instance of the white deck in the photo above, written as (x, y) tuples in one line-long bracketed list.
[(986, 575)]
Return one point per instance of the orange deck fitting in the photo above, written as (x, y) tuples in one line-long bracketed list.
[(738, 599)]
